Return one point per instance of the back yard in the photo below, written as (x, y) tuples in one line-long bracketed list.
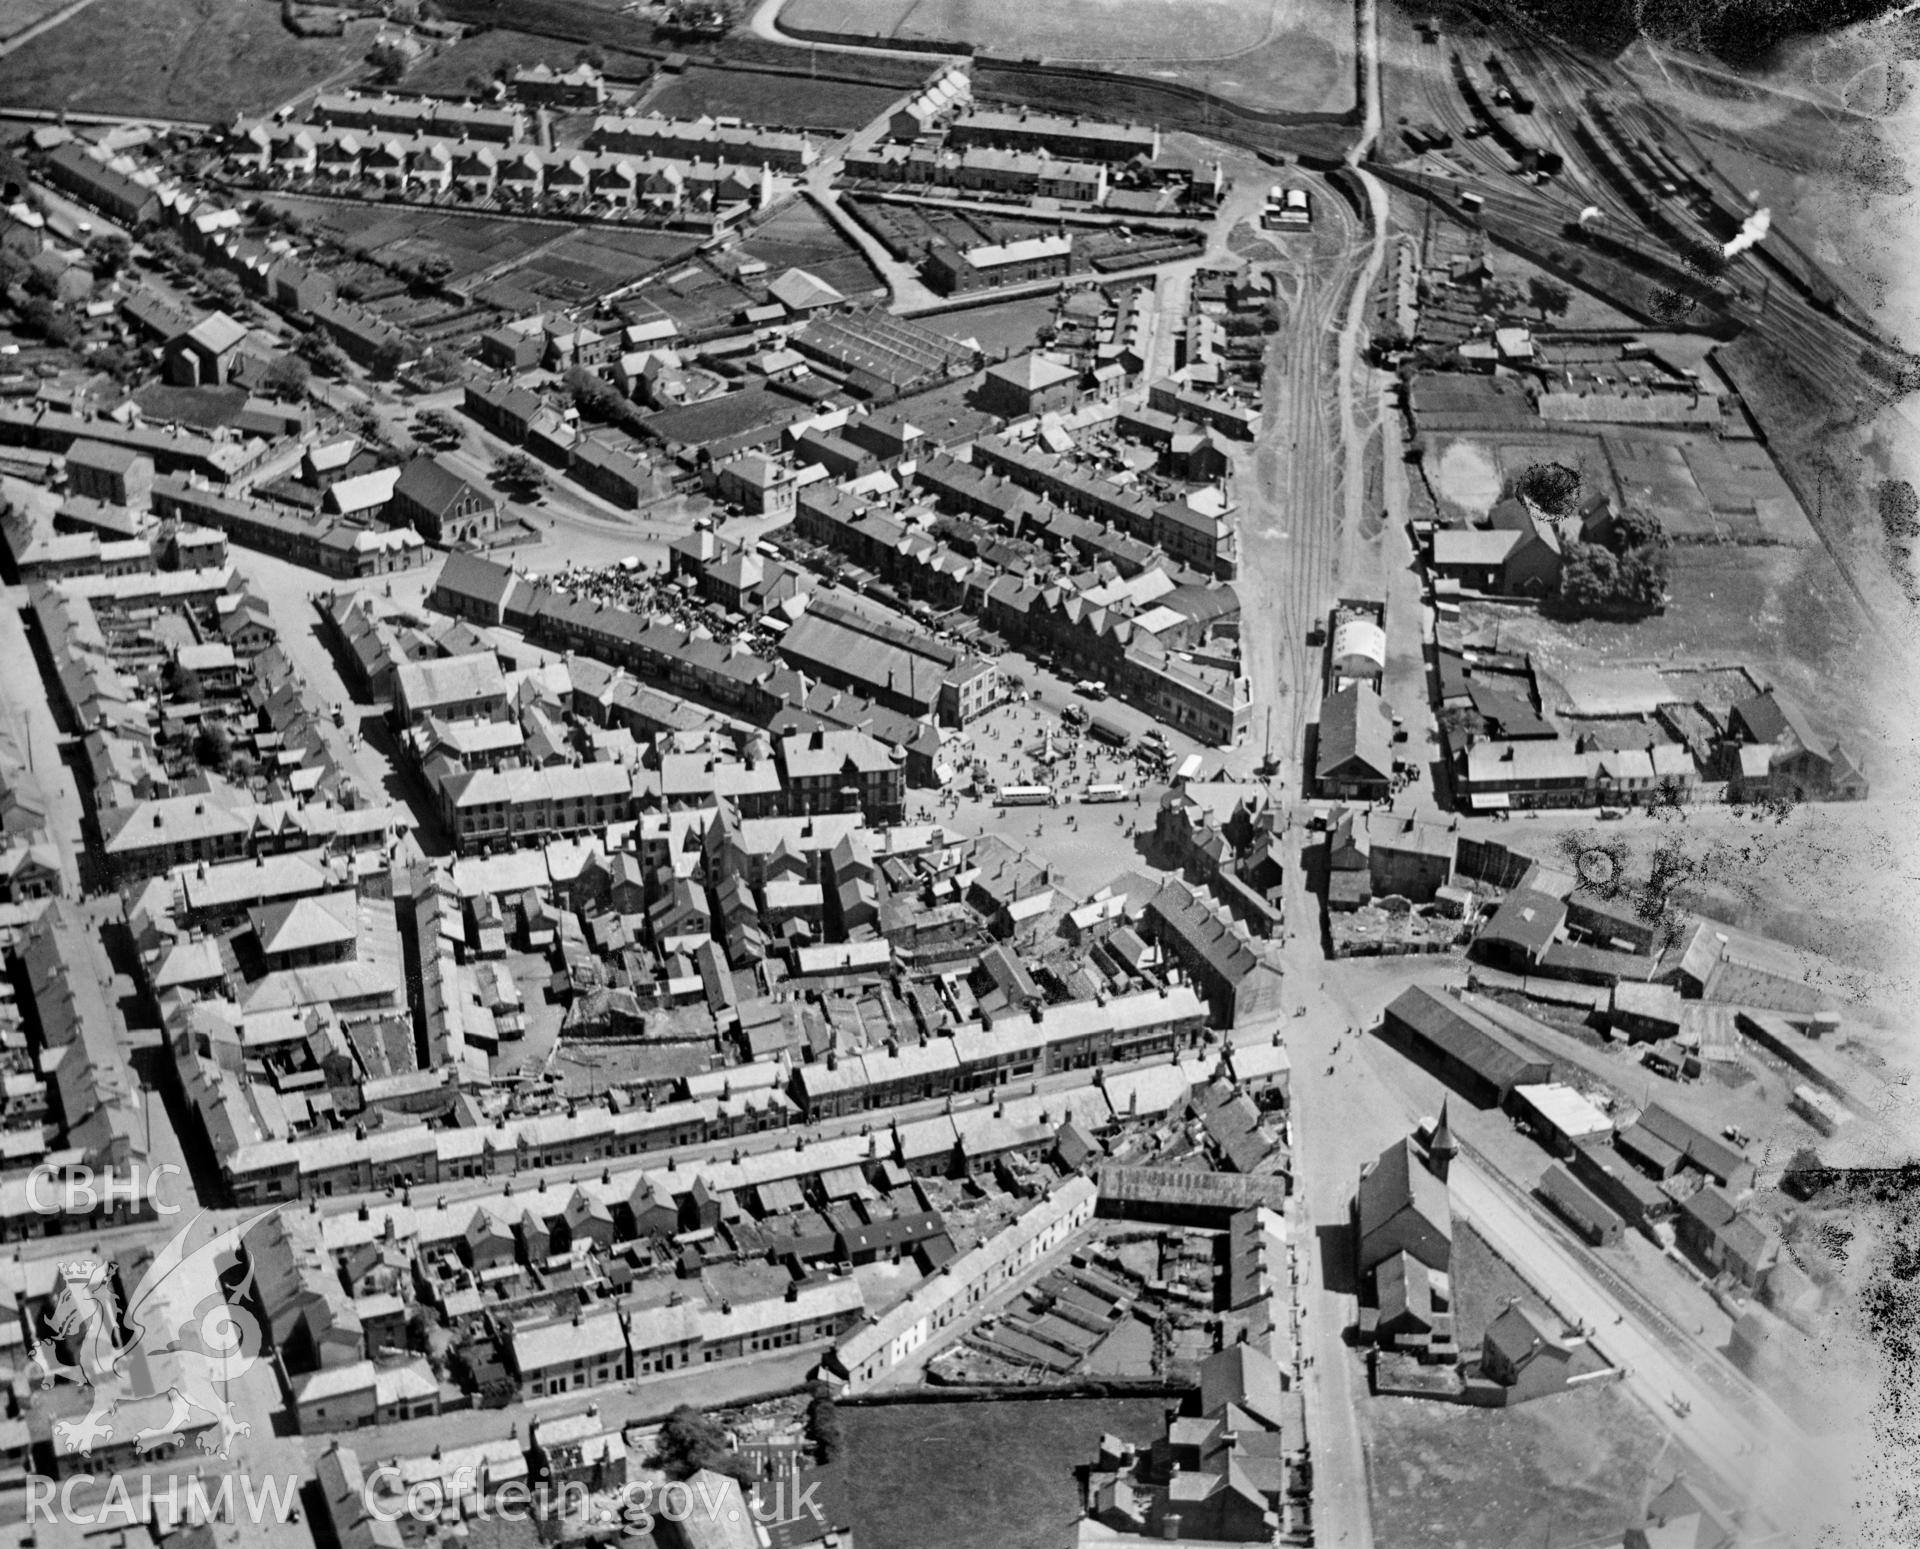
[(1575, 1468), (954, 1476)]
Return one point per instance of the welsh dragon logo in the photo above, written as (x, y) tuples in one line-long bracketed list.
[(217, 1345)]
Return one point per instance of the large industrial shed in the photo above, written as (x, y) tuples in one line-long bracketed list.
[(1471, 1055)]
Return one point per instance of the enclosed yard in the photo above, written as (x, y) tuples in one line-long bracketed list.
[(1570, 1469), (799, 236), (200, 60), (836, 106), (473, 62), (1783, 613), (1010, 326), (955, 1476)]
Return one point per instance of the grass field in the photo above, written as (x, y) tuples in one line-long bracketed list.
[(1006, 325), (18, 15), (1290, 54), (202, 60), (953, 1476), (546, 261), (470, 242), (593, 261), (1304, 67), (800, 236), (1085, 29), (772, 99), (1569, 1469), (479, 57), (1783, 612)]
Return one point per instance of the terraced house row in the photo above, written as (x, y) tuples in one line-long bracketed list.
[(432, 164), (1077, 1036)]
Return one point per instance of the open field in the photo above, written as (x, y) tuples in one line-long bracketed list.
[(772, 99), (952, 1476), (597, 259), (1288, 54), (470, 242), (1306, 66), (546, 260), (203, 60), (455, 67), (1005, 325), (1784, 613), (16, 16), (799, 236), (1159, 30), (1569, 1469)]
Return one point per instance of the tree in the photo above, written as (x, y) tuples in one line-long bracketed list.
[(287, 378), (183, 681), (225, 285), (1589, 575), (1553, 487), (125, 366), (438, 429), (1899, 511), (591, 396), (43, 320), (520, 473), (1805, 1174), (389, 63), (1633, 528), (438, 366), (321, 353), (387, 358), (823, 1424), (1549, 297), (109, 255), (366, 422), (212, 746), (689, 1442), (431, 270), (167, 249)]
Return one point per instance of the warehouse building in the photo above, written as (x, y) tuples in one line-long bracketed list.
[(1472, 1056)]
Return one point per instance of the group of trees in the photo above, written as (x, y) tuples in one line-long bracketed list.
[(390, 62), (1627, 568), (823, 1424), (519, 475), (601, 401), (1899, 512), (287, 378), (689, 1442), (321, 353), (437, 429)]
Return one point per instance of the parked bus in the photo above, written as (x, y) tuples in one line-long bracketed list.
[(1105, 793), (1024, 796), (1109, 731)]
